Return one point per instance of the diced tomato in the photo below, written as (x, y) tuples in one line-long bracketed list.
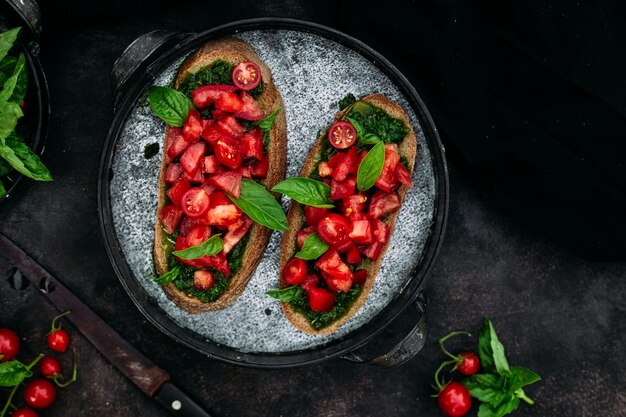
[(251, 144), (203, 280), (206, 95), (229, 125), (208, 188), (362, 155), (383, 203), (195, 202), (229, 181), (294, 272), (197, 177), (227, 152), (177, 141), (218, 262), (361, 232), (209, 164), (359, 276), (197, 235), (333, 229), (192, 130), (344, 247), (353, 257), (403, 175), (189, 223), (176, 192), (380, 231), (387, 179), (259, 168), (341, 189), (371, 251), (236, 231), (218, 114), (352, 206), (334, 160), (321, 300), (246, 171), (301, 235), (170, 217), (182, 244), (345, 165), (229, 102), (324, 170), (311, 281), (212, 134), (251, 109), (222, 212), (338, 284), (333, 266), (190, 160), (174, 173), (314, 215)]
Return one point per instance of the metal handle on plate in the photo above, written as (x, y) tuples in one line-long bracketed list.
[(28, 11)]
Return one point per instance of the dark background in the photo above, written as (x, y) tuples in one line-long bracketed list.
[(530, 103)]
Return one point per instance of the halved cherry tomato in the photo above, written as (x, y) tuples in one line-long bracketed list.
[(361, 232), (39, 393), (176, 192), (176, 142), (212, 134), (170, 217), (387, 180), (295, 271), (338, 275), (403, 175), (324, 170), (333, 229), (342, 135), (197, 235), (321, 300), (9, 344), (383, 203), (371, 251), (251, 144), (228, 102), (174, 173), (313, 215), (209, 164), (203, 280), (303, 234), (341, 189), (222, 212), (346, 165), (192, 130), (236, 231), (227, 152), (228, 181), (206, 95), (311, 281), (251, 109), (259, 168), (360, 276), (247, 75), (352, 206), (195, 202), (230, 126), (353, 257)]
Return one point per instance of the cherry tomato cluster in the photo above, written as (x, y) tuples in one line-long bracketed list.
[(40, 392), (453, 397)]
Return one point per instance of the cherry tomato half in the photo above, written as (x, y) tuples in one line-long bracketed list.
[(40, 393), (195, 202), (247, 75), (9, 344), (469, 365), (227, 152), (49, 366), (24, 412), (59, 340), (295, 271), (342, 135), (454, 400), (333, 229)]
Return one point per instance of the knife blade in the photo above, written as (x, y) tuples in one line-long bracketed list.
[(144, 373)]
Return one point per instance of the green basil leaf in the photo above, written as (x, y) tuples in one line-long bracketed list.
[(497, 349), (486, 410), (10, 83), (267, 123), (360, 131), (7, 66), (287, 294), (32, 165), (209, 247), (306, 191), (520, 377), (507, 407), (5, 168), (487, 388), (9, 114), (13, 373), (170, 105), (313, 247), (169, 276), (6, 41), (3, 192), (260, 206), (369, 139), (371, 167)]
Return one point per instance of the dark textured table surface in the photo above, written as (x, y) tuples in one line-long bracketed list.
[(557, 314)]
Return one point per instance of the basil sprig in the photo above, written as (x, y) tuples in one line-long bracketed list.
[(500, 387), (313, 247), (371, 167), (170, 105), (260, 206), (305, 191), (209, 247), (286, 294), (169, 276), (267, 123)]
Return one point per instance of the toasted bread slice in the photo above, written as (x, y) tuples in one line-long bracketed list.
[(233, 51), (296, 219)]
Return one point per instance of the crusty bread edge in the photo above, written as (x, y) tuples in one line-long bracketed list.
[(296, 219), (233, 51)]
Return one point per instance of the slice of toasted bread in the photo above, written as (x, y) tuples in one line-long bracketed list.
[(233, 51), (296, 219)]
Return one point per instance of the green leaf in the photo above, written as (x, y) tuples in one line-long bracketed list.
[(369, 139), (13, 373), (7, 66), (260, 206), (346, 101), (9, 114), (313, 247), (486, 388), (520, 377), (6, 41), (32, 165), (10, 83), (486, 410), (209, 247), (371, 167), (360, 131), (306, 191), (507, 407), (3, 192), (287, 294), (499, 358), (267, 123), (169, 276), (170, 105), (5, 168)]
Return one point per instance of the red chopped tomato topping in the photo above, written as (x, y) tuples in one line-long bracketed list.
[(383, 203), (387, 180), (294, 272), (170, 217), (380, 231), (192, 157), (228, 102), (222, 212), (352, 206), (313, 215), (227, 152), (361, 232), (176, 192), (251, 144), (206, 95), (337, 273), (173, 173), (236, 232), (177, 142), (353, 257), (228, 181), (251, 109), (311, 281), (359, 276), (346, 165), (192, 129), (230, 126), (259, 168), (321, 300), (341, 189), (333, 229), (371, 251), (197, 234), (209, 164)]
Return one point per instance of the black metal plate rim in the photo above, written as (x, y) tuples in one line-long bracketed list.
[(351, 341)]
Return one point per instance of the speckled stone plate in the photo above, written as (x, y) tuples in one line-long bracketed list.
[(313, 68)]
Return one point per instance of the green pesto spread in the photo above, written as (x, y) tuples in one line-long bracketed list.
[(321, 320), (219, 72), (377, 122)]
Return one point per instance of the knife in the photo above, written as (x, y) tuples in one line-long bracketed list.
[(144, 373)]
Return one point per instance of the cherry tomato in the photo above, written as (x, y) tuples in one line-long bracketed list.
[(24, 412), (454, 400), (469, 365), (333, 229), (203, 280), (295, 271), (40, 393), (247, 75), (227, 152), (49, 366), (195, 202), (58, 340), (342, 135), (9, 344)]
